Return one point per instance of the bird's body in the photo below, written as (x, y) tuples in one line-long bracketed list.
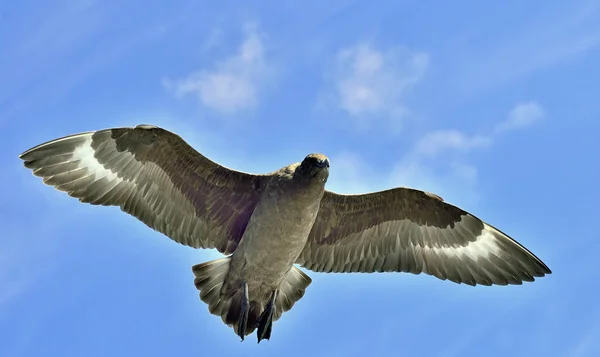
[(268, 223), (277, 231), (276, 234)]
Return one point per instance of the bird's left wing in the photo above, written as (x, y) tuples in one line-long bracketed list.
[(155, 176), (413, 231)]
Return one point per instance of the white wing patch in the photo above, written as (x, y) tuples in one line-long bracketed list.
[(434, 241), (484, 245), (89, 167), (84, 154)]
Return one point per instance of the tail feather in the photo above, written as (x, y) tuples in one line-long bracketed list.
[(210, 278), (291, 290)]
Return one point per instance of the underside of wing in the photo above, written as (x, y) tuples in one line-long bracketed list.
[(155, 176), (407, 230)]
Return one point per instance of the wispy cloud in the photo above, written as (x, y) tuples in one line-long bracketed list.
[(22, 263), (352, 174), (521, 116), (558, 33), (452, 179), (14, 283), (439, 161), (447, 173), (54, 33), (585, 345), (371, 82), (442, 156), (436, 142), (54, 56), (234, 83)]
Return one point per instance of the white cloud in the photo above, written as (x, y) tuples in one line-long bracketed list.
[(438, 162), (455, 180), (351, 174), (234, 83), (440, 168), (435, 142), (372, 82), (521, 116)]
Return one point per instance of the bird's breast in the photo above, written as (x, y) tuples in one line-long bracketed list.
[(277, 233)]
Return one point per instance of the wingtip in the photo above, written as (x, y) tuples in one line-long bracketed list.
[(542, 269), (547, 270), (23, 155)]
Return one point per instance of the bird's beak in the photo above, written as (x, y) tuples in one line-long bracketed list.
[(323, 163)]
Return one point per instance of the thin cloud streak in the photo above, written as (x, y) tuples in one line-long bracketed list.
[(556, 35), (234, 84), (523, 115), (438, 162), (371, 83)]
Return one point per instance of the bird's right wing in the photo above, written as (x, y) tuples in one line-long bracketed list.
[(413, 231), (155, 176)]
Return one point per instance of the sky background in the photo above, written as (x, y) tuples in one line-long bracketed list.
[(492, 105)]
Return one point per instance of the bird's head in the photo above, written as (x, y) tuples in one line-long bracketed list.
[(315, 166)]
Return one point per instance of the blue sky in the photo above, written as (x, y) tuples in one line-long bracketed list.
[(493, 106)]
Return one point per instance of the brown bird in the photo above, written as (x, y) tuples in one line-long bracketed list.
[(267, 223)]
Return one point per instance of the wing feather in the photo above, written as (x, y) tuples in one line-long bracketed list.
[(155, 176), (413, 231)]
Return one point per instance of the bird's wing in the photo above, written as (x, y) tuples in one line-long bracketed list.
[(413, 231), (155, 176)]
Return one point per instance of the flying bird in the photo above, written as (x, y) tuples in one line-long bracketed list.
[(266, 224)]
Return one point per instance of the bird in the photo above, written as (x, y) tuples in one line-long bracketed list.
[(268, 225)]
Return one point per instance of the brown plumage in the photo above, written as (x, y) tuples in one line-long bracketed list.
[(267, 223)]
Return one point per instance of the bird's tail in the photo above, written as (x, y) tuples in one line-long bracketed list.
[(210, 278)]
